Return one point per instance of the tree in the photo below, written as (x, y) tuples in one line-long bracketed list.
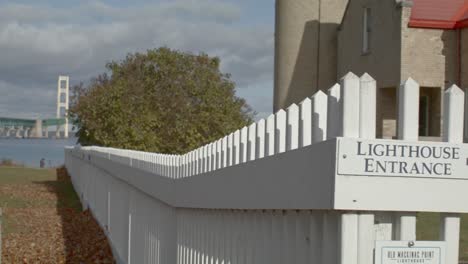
[(163, 101)]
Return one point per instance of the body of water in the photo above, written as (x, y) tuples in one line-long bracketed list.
[(29, 152)]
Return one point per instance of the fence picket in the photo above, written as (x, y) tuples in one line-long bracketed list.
[(219, 154), (408, 110), (408, 120), (236, 148), (292, 131), (350, 106), (367, 110), (224, 152), (454, 101), (334, 109), (251, 144), (319, 117), (260, 142), (270, 136), (280, 132), (305, 124), (230, 152), (243, 144)]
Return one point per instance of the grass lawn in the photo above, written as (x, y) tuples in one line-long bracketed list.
[(43, 221), (428, 229)]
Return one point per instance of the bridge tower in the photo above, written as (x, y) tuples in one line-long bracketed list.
[(62, 103)]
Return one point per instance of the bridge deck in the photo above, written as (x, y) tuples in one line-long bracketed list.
[(19, 122)]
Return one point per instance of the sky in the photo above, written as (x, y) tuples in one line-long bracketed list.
[(40, 40)]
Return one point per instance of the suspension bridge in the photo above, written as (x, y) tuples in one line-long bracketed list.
[(39, 128)]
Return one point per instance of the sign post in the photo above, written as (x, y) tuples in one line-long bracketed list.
[(401, 252)]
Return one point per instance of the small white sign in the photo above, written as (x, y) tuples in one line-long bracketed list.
[(409, 252), (361, 157)]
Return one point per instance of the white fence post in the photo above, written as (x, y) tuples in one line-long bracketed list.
[(454, 102), (408, 110), (408, 124), (350, 84), (367, 129)]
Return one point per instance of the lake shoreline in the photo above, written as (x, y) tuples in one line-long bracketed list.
[(29, 152)]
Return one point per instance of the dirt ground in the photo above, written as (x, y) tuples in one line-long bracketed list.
[(43, 221)]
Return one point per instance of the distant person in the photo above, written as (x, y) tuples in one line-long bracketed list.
[(42, 163)]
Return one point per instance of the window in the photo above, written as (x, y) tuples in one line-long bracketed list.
[(366, 30)]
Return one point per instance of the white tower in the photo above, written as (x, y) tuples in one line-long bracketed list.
[(62, 89)]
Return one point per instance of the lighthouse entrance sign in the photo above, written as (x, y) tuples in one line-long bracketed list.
[(359, 157)]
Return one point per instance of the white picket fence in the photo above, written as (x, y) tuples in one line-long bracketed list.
[(273, 192)]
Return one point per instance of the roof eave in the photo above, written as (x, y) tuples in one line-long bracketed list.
[(432, 24)]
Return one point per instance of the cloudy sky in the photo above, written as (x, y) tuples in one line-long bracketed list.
[(40, 40)]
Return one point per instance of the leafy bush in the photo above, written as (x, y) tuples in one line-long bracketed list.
[(161, 101)]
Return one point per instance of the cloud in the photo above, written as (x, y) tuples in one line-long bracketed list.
[(39, 42)]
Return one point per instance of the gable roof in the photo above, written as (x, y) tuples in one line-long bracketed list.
[(440, 14)]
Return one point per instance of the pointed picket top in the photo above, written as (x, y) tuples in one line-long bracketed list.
[(367, 78), (270, 121), (305, 101), (410, 82), (350, 84), (261, 122), (408, 110), (349, 76), (368, 106), (455, 90), (252, 126), (319, 116), (260, 141), (280, 133), (335, 90), (292, 107), (320, 93), (251, 142), (454, 104), (334, 114)]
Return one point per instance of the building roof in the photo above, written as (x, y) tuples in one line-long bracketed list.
[(440, 14)]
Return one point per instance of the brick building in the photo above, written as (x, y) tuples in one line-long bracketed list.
[(392, 40)]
